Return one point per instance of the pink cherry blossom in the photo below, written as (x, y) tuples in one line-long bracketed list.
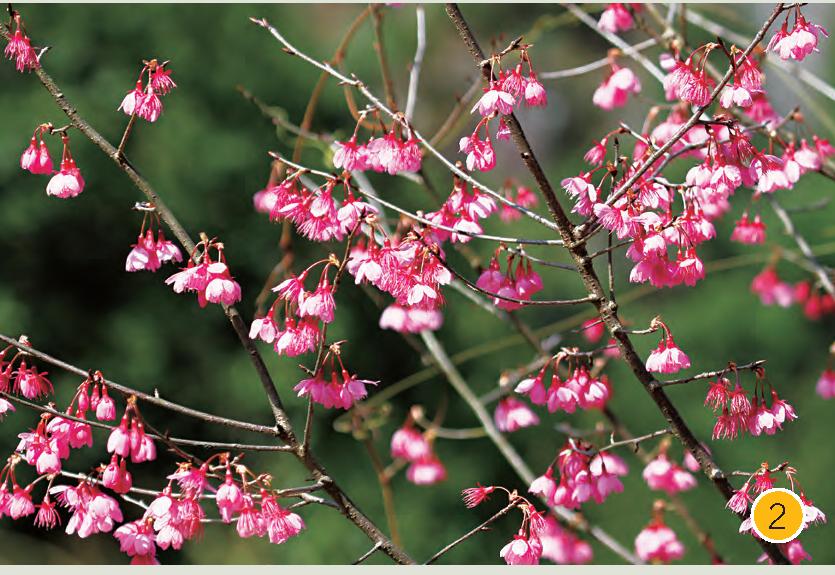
[(494, 100), (658, 543), (667, 357), (825, 385), (521, 551), (426, 471), (67, 183), (408, 443), (616, 18), (512, 414)]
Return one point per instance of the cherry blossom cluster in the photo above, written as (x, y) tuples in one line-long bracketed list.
[(461, 212), (584, 475), (526, 547), (510, 290), (67, 182), (511, 88), (772, 290), (664, 474), (657, 543), (409, 444), (521, 196), (209, 278), (150, 252), (20, 48), (740, 414), (580, 389), (144, 100), (762, 480), (798, 43), (391, 153), (22, 379), (316, 214), (339, 388), (619, 83)]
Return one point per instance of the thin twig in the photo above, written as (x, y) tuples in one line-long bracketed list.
[(803, 245), (710, 374), (504, 511), (592, 66), (414, 73)]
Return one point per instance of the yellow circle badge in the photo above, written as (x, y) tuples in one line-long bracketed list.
[(777, 515)]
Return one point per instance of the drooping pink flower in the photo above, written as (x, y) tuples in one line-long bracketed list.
[(221, 288), (561, 546), (119, 441), (150, 107), (480, 153), (825, 385), (615, 89), (768, 286), (662, 474), (350, 156), (408, 443), (229, 498), (474, 496), (93, 511), (521, 551), (534, 388), (30, 383), (142, 447), (20, 49), (143, 256), (658, 543), (667, 357), (263, 328), (426, 471), (20, 503), (280, 524), (535, 94), (544, 485), (596, 153), (320, 304), (35, 158), (137, 539), (132, 100), (47, 517), (800, 42), (512, 414), (616, 18), (116, 476), (739, 501), (494, 100), (161, 81), (67, 183), (749, 232)]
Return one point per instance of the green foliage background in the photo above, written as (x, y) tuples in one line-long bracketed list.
[(62, 280)]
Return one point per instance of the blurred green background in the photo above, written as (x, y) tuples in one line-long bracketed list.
[(62, 278)]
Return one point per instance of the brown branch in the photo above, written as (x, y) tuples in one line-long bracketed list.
[(178, 440), (147, 398), (501, 513), (379, 47), (710, 374), (606, 308)]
